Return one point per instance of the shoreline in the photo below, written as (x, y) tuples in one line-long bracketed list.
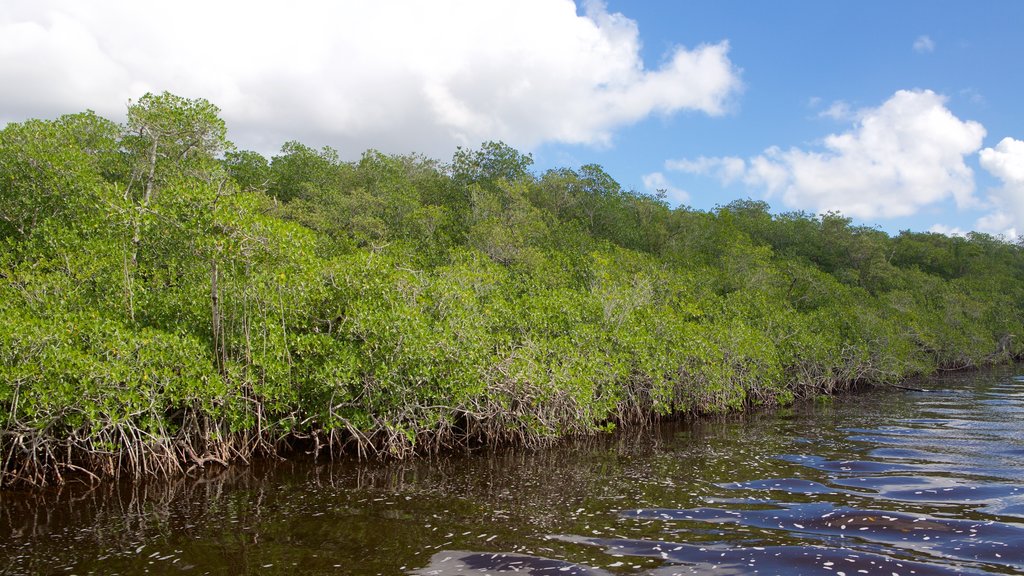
[(318, 447)]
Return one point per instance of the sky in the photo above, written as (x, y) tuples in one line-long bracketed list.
[(899, 115)]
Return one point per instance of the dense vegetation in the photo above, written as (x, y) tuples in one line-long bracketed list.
[(170, 301)]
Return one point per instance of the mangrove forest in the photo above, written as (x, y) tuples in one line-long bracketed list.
[(170, 302)]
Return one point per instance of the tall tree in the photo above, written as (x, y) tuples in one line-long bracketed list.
[(169, 136)]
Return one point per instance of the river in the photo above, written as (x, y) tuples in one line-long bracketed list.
[(887, 481)]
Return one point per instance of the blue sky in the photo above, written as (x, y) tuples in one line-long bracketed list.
[(902, 115), (797, 59)]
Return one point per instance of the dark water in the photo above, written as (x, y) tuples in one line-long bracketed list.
[(885, 482)]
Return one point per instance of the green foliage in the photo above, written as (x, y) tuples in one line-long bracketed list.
[(170, 301), (301, 172), (50, 170), (250, 170), (169, 137), (494, 161)]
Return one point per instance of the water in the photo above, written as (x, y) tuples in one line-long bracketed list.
[(883, 482)]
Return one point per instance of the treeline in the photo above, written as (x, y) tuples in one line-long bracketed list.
[(169, 301)]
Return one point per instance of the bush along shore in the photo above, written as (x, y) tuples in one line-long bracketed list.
[(170, 302)]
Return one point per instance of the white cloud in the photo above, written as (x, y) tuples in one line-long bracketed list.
[(924, 45), (948, 230), (839, 110), (400, 75), (726, 169), (898, 158), (656, 181), (973, 96), (1005, 162), (997, 222)]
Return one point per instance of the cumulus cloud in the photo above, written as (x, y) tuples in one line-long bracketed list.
[(400, 75), (896, 159), (924, 45), (656, 181), (1005, 162)]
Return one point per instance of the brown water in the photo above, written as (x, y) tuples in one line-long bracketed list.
[(884, 482)]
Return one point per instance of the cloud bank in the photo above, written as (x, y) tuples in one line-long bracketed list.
[(399, 75), (896, 159)]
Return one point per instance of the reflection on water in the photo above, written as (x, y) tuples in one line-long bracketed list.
[(885, 482)]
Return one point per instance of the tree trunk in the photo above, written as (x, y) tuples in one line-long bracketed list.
[(151, 176), (219, 349)]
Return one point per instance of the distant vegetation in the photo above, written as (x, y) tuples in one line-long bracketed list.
[(169, 301)]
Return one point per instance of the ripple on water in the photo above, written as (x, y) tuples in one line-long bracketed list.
[(845, 466), (963, 540), (888, 431), (932, 488), (679, 558), (451, 562), (917, 456), (788, 485), (994, 498)]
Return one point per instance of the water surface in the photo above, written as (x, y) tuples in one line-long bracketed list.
[(882, 482)]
